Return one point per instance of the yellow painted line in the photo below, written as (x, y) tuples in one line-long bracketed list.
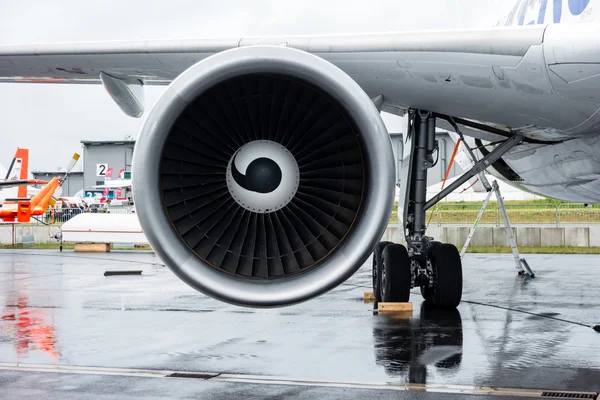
[(431, 388), (274, 380), (74, 369)]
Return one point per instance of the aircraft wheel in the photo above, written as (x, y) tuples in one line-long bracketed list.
[(377, 265), (427, 292), (395, 274), (447, 267)]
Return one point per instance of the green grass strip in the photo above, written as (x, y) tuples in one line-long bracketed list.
[(535, 250)]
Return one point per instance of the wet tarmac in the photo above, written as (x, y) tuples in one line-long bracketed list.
[(58, 309)]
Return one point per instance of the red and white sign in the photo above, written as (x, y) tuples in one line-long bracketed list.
[(109, 172), (119, 193), (122, 173)]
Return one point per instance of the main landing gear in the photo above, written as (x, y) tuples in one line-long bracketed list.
[(433, 266)]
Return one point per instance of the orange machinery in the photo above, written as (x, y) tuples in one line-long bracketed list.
[(17, 174), (39, 203)]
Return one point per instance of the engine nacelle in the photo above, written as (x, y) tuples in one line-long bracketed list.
[(263, 176)]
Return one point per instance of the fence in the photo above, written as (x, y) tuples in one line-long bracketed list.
[(442, 214), (61, 216), (518, 214)]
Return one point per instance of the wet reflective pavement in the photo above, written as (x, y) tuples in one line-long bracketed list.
[(59, 309)]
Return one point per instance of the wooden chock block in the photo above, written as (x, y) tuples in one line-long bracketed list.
[(92, 247), (395, 307), (370, 297)]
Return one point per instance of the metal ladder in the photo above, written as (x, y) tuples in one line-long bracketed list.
[(521, 263)]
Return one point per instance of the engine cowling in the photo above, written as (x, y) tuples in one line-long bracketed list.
[(263, 176)]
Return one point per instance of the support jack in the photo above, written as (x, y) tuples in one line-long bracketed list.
[(521, 264), (527, 268)]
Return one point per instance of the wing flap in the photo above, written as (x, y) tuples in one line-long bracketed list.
[(160, 61), (507, 42)]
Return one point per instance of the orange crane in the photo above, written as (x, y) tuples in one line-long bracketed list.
[(38, 204)]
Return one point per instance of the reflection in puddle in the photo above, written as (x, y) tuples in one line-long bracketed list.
[(27, 328), (406, 347)]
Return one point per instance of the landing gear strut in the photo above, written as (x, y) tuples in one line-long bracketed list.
[(433, 266), (436, 267)]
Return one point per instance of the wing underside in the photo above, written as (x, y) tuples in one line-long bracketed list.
[(516, 78)]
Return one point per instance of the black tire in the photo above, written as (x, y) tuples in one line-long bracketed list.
[(447, 266), (376, 271), (432, 246), (395, 278), (426, 292)]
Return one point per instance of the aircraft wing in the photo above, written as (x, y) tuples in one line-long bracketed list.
[(21, 182), (515, 77)]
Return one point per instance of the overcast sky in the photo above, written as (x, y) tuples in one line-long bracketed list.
[(51, 119)]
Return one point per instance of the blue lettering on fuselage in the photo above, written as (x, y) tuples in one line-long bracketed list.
[(542, 13), (557, 11), (522, 10), (576, 7)]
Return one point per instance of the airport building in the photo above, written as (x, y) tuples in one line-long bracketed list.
[(105, 160), (71, 187), (102, 160)]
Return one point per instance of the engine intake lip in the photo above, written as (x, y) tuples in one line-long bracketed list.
[(377, 195)]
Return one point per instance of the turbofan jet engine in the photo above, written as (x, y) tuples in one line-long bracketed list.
[(263, 176)]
